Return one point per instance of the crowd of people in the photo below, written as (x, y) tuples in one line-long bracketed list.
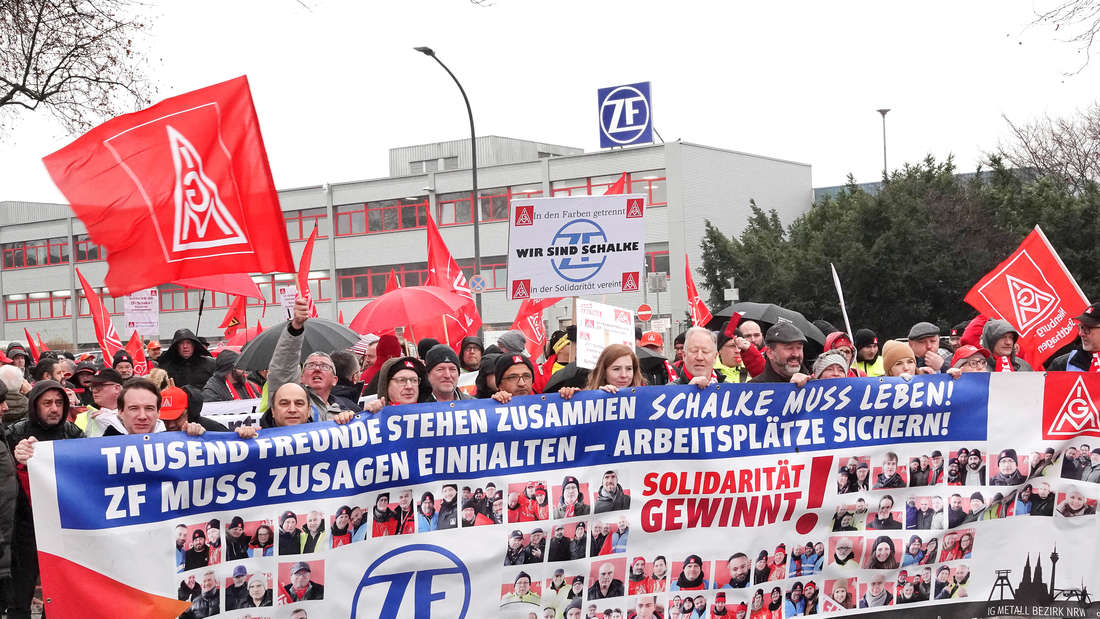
[(62, 396)]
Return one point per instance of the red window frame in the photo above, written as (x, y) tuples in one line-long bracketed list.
[(15, 255), (54, 307), (651, 262), (299, 225), (380, 217), (376, 280), (647, 189), (269, 287), (82, 244)]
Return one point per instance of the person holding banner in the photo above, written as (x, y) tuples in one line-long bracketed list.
[(399, 382), (898, 360), (515, 376), (700, 352), (784, 356), (1086, 358), (838, 342), (442, 367)]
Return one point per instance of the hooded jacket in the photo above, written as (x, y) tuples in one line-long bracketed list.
[(9, 494), (993, 331), (216, 388), (467, 341), (196, 369)]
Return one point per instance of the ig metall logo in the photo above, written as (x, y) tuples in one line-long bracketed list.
[(439, 586)]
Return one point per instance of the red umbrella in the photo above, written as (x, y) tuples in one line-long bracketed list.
[(229, 283), (242, 337), (430, 311)]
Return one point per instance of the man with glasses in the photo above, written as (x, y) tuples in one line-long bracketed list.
[(515, 377), (968, 359), (1087, 357), (317, 376)]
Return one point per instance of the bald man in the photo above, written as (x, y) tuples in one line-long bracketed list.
[(290, 406)]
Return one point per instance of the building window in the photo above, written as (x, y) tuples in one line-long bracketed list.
[(570, 187), (370, 282), (38, 306), (652, 184), (450, 163), (299, 224), (269, 285), (656, 259), (431, 165), (39, 252), (493, 268), (416, 167), (114, 306), (87, 251)]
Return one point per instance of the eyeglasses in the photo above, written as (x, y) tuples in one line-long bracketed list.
[(408, 380), (518, 378), (1085, 329), (317, 365), (976, 364)]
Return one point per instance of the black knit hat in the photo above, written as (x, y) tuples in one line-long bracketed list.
[(440, 353), (506, 361), (865, 337)]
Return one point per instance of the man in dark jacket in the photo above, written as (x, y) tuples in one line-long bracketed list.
[(236, 594), (347, 372), (611, 496), (448, 508), (229, 383), (472, 348), (187, 360), (1086, 358), (783, 355), (300, 586), (9, 494), (47, 414)]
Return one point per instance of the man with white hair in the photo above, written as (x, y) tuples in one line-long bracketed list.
[(700, 351), (318, 375), (12, 377)]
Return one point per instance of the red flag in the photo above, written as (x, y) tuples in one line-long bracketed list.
[(137, 352), (104, 330), (340, 319), (617, 187), (41, 347), (391, 282), (31, 346), (303, 272), (731, 326), (181, 189), (700, 315), (443, 271), (529, 321), (231, 283), (236, 317), (1035, 293)]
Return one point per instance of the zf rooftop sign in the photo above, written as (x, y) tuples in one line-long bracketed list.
[(575, 246), (626, 116)]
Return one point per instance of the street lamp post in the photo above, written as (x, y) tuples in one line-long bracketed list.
[(884, 169), (475, 203)]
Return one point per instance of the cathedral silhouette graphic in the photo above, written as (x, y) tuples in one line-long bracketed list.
[(1032, 589)]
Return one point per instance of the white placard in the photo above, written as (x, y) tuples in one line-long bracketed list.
[(599, 326), (660, 325), (287, 293), (576, 246), (142, 312)]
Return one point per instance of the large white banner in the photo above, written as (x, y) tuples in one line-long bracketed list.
[(576, 246), (927, 498)]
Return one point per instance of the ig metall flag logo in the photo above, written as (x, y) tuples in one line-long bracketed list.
[(438, 586), (625, 115)]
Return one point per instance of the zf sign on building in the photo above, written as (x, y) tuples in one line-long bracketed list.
[(576, 246), (625, 115)]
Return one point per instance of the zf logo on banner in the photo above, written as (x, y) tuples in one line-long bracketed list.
[(625, 115), (205, 214), (1069, 408), (441, 583)]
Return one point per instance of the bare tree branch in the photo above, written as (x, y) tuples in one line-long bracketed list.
[(1079, 22), (1063, 148), (76, 58)]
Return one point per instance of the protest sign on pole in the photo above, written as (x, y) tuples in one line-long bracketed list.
[(142, 312), (1036, 294), (286, 294), (843, 307), (643, 499), (599, 326), (576, 246)]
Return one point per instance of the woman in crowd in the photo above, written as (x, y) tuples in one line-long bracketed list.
[(898, 359), (1023, 501), (761, 570), (838, 341), (616, 368), (263, 542), (388, 347), (966, 545), (931, 549), (842, 595), (882, 555), (659, 579)]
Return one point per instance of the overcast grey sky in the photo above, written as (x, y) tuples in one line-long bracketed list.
[(338, 85)]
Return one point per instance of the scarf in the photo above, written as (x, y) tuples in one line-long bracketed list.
[(839, 561), (249, 389), (690, 585), (1095, 365), (1003, 364), (876, 600)]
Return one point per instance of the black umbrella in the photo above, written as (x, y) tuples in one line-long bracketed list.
[(321, 336), (569, 376), (769, 314)]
